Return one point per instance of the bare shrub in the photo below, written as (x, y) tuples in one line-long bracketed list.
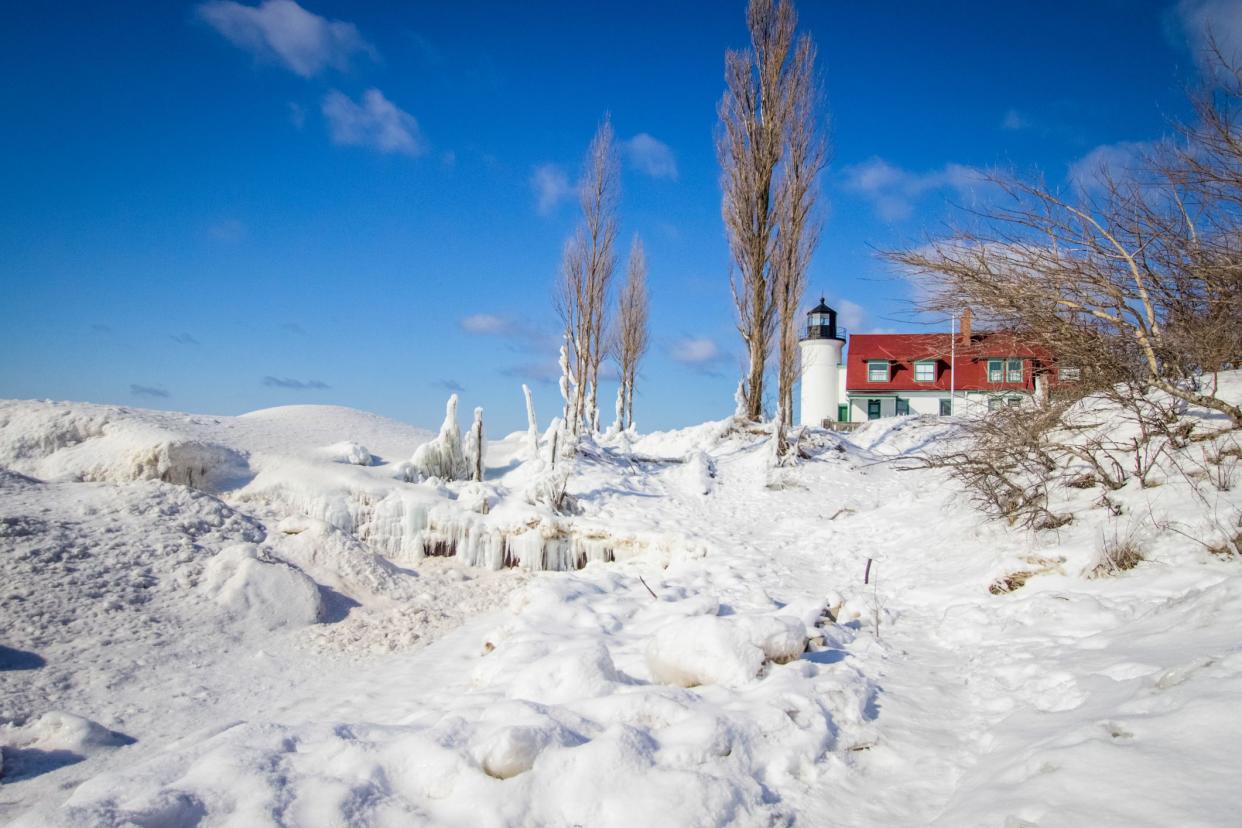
[(1117, 554), (1007, 464)]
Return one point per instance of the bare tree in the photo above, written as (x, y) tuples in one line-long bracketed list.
[(572, 299), (599, 195), (587, 268), (631, 334), (805, 155), (753, 114), (1134, 279)]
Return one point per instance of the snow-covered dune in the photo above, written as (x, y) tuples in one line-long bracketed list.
[(302, 632)]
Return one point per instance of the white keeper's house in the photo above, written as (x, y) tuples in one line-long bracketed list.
[(888, 375)]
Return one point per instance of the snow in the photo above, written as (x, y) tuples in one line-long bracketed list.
[(227, 620), (347, 451), (261, 591)]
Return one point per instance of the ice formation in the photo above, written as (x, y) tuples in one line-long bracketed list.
[(475, 449), (443, 457), (532, 426)]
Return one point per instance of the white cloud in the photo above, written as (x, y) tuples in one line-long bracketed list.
[(851, 314), (551, 186), (284, 31), (650, 156), (1208, 21), (373, 121), (1014, 120), (695, 351), (1115, 161), (484, 323), (893, 191)]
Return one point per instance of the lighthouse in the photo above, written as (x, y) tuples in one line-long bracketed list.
[(821, 364)]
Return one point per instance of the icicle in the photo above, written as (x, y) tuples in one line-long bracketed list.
[(532, 426)]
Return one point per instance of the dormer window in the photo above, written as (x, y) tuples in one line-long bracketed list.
[(925, 370), (877, 370)]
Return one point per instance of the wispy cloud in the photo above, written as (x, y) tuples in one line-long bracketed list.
[(1107, 161), (485, 323), (293, 328), (148, 391), (449, 385), (542, 371), (851, 314), (551, 185), (520, 335), (229, 231), (1015, 121), (295, 384), (183, 339), (893, 191), (700, 353), (297, 114), (372, 121), (101, 328), (650, 156), (282, 31), (1208, 22)]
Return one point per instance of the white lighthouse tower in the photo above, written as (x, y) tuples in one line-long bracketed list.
[(821, 364)]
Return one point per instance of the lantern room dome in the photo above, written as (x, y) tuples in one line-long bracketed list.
[(821, 322)]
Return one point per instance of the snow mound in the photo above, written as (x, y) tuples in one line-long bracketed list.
[(270, 594), (347, 451), (709, 649), (698, 474), (52, 740), (97, 444), (580, 671), (338, 560)]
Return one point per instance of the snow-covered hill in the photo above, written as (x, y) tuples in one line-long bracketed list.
[(219, 620)]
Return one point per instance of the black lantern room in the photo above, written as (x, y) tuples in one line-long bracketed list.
[(821, 323)]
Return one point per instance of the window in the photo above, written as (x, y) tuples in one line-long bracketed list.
[(877, 370), (903, 407), (925, 371), (1013, 402), (946, 407), (1068, 374), (995, 403), (873, 409), (1015, 370), (996, 370)]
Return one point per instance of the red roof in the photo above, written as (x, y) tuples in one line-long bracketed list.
[(901, 351)]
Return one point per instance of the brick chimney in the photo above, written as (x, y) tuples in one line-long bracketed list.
[(965, 327)]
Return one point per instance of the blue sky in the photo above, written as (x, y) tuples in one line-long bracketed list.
[(218, 207)]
